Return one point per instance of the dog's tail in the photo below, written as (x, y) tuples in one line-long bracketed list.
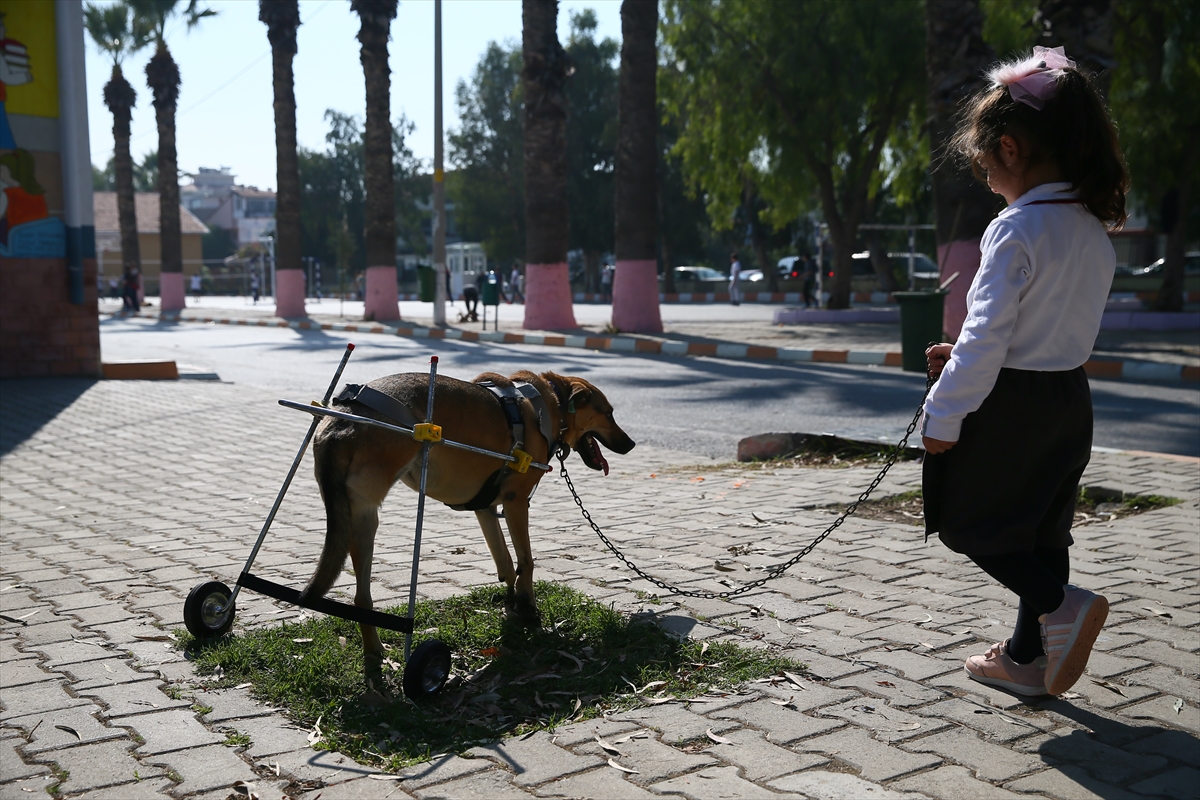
[(331, 478)]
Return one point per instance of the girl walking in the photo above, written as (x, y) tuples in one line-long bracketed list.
[(1008, 425)]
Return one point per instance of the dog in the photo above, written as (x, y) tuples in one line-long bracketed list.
[(357, 464)]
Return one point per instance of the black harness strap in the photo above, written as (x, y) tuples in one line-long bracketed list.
[(378, 401)]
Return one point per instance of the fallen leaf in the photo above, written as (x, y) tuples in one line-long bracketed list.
[(379, 776), (757, 518), (722, 568), (70, 730), (982, 711), (154, 637), (1070, 695), (928, 618), (718, 739), (926, 644), (795, 679), (1158, 612), (888, 684), (910, 726), (785, 703), (703, 649), (302, 640), (490, 652), (635, 735), (578, 663), (243, 686), (606, 747), (658, 701), (342, 641), (652, 685), (615, 765), (1178, 705), (1112, 687), (315, 734)]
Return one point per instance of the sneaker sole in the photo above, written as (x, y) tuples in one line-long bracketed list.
[(1018, 688), (1079, 647)]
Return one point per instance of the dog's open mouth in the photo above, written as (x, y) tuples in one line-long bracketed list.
[(589, 451)]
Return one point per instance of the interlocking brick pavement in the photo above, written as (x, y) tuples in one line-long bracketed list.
[(116, 497)]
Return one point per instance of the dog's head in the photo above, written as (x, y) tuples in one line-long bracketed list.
[(590, 424)]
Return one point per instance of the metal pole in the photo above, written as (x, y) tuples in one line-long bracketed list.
[(439, 176), (425, 448), (291, 474), (912, 258), (74, 150)]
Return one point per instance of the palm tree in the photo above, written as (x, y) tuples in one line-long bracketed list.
[(162, 76), (635, 286), (382, 290), (114, 32), (545, 72), (955, 59), (282, 17)]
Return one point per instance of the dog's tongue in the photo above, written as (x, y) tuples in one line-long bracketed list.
[(599, 453)]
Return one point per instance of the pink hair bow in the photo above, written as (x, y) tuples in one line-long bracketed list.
[(1032, 80)]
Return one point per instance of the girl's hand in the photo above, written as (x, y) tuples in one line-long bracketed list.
[(936, 356), (935, 446)]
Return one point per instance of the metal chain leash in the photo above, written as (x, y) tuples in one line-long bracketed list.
[(777, 571)]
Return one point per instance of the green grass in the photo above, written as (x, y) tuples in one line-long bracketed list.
[(586, 659)]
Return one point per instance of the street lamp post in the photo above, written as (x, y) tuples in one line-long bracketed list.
[(439, 183)]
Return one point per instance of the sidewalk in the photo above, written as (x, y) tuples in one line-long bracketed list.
[(119, 496), (702, 331)]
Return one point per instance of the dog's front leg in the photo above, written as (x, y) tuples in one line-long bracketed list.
[(516, 515), (496, 546)]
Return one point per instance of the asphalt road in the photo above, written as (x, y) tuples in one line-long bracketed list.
[(701, 406)]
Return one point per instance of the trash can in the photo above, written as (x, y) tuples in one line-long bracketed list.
[(920, 324), (426, 284), (491, 290)]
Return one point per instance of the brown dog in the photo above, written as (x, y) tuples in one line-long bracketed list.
[(356, 466)]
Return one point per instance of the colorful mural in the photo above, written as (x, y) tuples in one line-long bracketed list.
[(29, 227)]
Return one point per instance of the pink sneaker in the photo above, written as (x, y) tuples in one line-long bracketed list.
[(1068, 634), (996, 668)]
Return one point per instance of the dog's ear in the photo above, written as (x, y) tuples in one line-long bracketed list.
[(581, 395)]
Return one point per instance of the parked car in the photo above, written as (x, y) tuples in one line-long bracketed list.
[(1191, 266), (752, 275), (699, 275)]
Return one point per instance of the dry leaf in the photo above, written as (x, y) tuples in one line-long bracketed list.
[(652, 685), (888, 684), (758, 519), (243, 686), (1070, 695), (658, 701), (1178, 705), (606, 747), (302, 641), (1158, 612), (926, 644), (342, 641), (578, 663), (794, 678), (718, 739), (379, 776), (722, 568), (490, 652), (315, 734), (154, 637), (910, 726), (785, 703), (928, 618), (1112, 687), (615, 765), (70, 730)]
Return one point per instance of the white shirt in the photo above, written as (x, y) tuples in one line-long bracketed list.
[(735, 269), (1035, 304)]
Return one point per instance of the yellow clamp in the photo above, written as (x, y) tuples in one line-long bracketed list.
[(317, 403), (427, 432), (523, 460)]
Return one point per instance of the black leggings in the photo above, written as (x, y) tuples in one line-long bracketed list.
[(1037, 578)]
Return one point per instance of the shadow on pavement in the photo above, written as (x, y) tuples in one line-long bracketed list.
[(27, 405)]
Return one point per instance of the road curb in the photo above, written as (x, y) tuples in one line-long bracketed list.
[(1096, 368)]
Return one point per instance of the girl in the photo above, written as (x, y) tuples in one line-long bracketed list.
[(1008, 425)]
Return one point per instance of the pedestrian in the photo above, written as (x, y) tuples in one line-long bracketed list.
[(514, 284), (114, 288), (810, 283), (735, 272), (606, 283), (471, 292), (132, 288), (1008, 425), (254, 287), (197, 287)]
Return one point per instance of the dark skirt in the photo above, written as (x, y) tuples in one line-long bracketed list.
[(1009, 485)]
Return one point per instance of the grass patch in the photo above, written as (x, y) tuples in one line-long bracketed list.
[(812, 451), (1093, 505), (585, 660)]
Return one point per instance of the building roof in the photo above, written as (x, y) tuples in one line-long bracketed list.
[(104, 207)]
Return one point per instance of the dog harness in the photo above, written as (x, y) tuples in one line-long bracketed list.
[(509, 398)]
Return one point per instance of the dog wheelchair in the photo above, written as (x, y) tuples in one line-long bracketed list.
[(211, 606)]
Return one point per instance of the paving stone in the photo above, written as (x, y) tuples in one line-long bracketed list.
[(103, 673), (780, 724), (1176, 745), (656, 761), (15, 767), (49, 632), (675, 723), (1162, 709), (534, 759), (761, 760), (9, 652), (1182, 783), (889, 724), (1167, 681), (95, 766), (124, 699), (991, 762), (227, 704), (996, 724), (1109, 764), (85, 648), (169, 730), (494, 783), (205, 768), (602, 782), (954, 783), (716, 782), (441, 770), (913, 666), (808, 696), (317, 766), (1068, 782), (357, 789), (821, 785), (823, 666), (145, 789), (892, 689), (49, 734), (875, 761), (21, 673), (37, 698), (269, 735)]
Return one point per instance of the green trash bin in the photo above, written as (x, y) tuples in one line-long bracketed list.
[(491, 290), (426, 284), (920, 324)]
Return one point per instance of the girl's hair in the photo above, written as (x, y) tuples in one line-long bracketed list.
[(1072, 129)]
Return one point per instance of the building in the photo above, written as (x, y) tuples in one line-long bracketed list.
[(108, 238), (217, 200)]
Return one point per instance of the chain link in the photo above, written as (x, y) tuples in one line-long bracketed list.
[(777, 571)]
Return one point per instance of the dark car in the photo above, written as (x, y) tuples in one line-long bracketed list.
[(699, 275)]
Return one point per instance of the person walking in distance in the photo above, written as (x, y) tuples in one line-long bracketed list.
[(606, 282), (810, 283), (514, 285), (1008, 425), (735, 272)]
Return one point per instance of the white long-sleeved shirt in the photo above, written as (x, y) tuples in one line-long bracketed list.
[(1035, 304)]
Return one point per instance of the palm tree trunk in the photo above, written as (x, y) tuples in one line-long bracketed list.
[(635, 285), (955, 58), (120, 98), (382, 288), (1084, 29), (547, 278), (282, 17), (162, 75)]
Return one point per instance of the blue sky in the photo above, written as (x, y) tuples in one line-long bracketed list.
[(225, 116)]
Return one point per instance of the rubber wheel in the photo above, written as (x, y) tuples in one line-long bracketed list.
[(205, 613), (427, 670)]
